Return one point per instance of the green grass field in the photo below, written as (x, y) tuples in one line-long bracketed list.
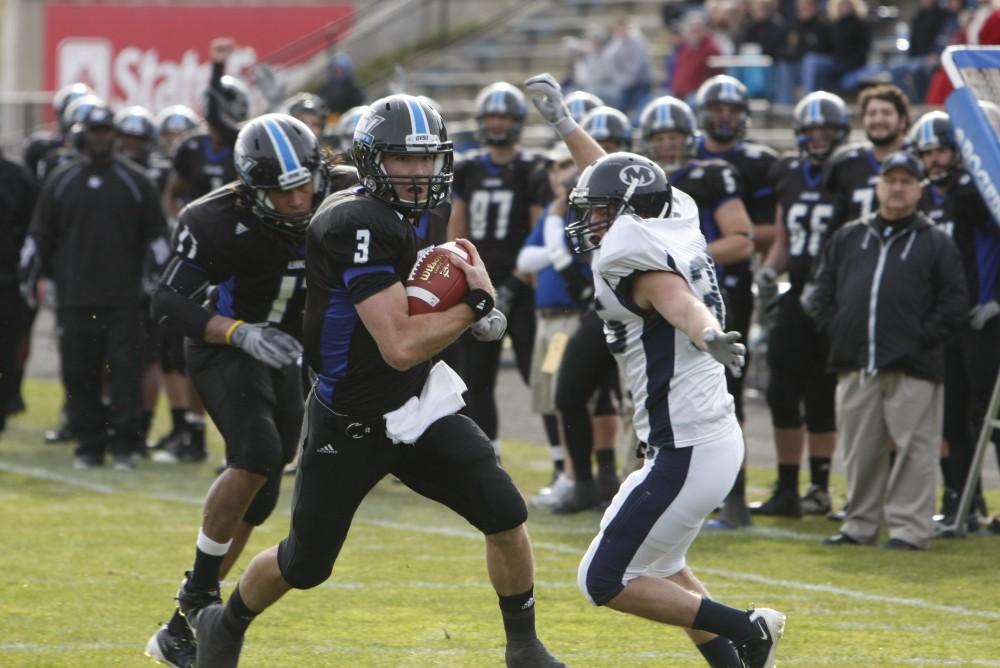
[(91, 560)]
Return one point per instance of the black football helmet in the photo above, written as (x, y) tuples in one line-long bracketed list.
[(176, 119), (233, 99), (580, 102), (667, 114), (135, 121), (402, 124), (64, 97), (622, 182), (501, 99), (723, 89), (607, 124), (821, 109), (279, 152), (346, 124), (933, 130)]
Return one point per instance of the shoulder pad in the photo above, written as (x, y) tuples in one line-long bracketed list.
[(759, 151)]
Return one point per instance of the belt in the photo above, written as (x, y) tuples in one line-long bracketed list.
[(557, 312), (354, 427)]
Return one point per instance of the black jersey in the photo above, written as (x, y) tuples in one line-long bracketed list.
[(711, 183), (499, 199), (18, 193), (38, 145), (851, 173), (357, 246), (202, 166), (53, 160), (808, 211), (257, 273), (157, 167), (752, 162)]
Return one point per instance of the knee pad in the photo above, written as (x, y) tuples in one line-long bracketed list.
[(264, 502), (301, 573), (784, 405)]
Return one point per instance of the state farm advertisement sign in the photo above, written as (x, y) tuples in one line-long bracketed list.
[(158, 55)]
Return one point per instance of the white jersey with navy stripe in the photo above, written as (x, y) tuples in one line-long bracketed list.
[(679, 391)]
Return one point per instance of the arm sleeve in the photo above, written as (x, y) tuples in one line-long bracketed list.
[(213, 112), (177, 299), (533, 256), (950, 305)]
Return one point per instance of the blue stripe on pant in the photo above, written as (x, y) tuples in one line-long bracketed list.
[(633, 520)]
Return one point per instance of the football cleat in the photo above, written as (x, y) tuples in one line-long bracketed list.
[(816, 501), (549, 496), (783, 503), (734, 515), (189, 601), (758, 651), (171, 650), (584, 496), (218, 647), (530, 653)]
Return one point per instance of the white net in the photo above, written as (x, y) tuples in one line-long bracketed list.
[(978, 68)]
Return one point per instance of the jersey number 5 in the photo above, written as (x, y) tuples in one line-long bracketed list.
[(364, 237)]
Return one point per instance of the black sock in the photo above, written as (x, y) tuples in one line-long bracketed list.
[(205, 574), (947, 475), (519, 615), (788, 477), (739, 490), (237, 616), (145, 421), (177, 419), (605, 461), (551, 423), (720, 653), (819, 471), (178, 626), (722, 620)]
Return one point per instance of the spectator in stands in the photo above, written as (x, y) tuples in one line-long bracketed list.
[(690, 61), (888, 292), (341, 91), (628, 57), (930, 30), (811, 35), (766, 28), (833, 70), (725, 18)]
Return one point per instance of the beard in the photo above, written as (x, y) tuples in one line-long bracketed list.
[(886, 140)]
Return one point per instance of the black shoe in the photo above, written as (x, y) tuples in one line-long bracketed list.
[(530, 654), (783, 503), (900, 544), (171, 650), (218, 647), (58, 436), (994, 526), (838, 515), (190, 601), (584, 497), (165, 442), (759, 650), (816, 501), (949, 506), (607, 485), (841, 538)]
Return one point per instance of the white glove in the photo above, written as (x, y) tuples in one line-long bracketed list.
[(267, 344), (726, 349), (490, 327), (983, 313), (546, 94)]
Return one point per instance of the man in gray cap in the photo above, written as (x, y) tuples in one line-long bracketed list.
[(888, 291)]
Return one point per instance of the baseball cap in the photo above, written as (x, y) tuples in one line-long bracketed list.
[(903, 160)]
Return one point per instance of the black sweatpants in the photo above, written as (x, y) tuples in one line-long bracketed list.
[(94, 342), (10, 334)]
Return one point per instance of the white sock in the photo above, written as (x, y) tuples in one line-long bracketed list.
[(210, 547)]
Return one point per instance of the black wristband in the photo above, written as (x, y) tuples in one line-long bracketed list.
[(481, 303)]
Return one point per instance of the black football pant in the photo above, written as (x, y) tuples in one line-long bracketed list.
[(95, 342), (10, 334), (478, 362)]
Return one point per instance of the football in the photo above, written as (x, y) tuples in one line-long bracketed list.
[(435, 284)]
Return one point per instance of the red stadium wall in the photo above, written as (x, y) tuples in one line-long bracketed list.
[(156, 55)]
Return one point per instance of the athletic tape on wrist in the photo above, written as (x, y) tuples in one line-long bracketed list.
[(481, 303), (232, 328)]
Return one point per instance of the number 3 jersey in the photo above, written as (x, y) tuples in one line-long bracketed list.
[(679, 391), (498, 200), (809, 214)]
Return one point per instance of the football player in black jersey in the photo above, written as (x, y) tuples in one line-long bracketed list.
[(499, 193), (377, 406), (609, 127), (797, 352), (173, 125), (235, 286), (972, 356), (723, 107), (43, 142), (308, 108), (851, 172)]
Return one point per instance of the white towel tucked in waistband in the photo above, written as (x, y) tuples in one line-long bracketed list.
[(442, 395)]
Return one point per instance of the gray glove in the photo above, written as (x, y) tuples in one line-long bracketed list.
[(267, 344), (546, 93), (490, 327), (767, 294), (726, 349), (983, 313)]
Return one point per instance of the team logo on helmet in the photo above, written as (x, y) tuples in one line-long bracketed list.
[(363, 131), (640, 175)]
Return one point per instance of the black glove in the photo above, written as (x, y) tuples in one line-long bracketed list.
[(578, 288), (270, 345)]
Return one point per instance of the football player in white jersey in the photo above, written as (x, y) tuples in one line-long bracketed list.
[(657, 293)]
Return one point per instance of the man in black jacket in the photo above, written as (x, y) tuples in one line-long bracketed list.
[(95, 220), (888, 292)]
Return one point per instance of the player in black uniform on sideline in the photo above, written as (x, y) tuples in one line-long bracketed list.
[(41, 143), (499, 193), (972, 356), (173, 125), (851, 172), (723, 107), (372, 361), (235, 286), (797, 351), (669, 133), (308, 108)]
